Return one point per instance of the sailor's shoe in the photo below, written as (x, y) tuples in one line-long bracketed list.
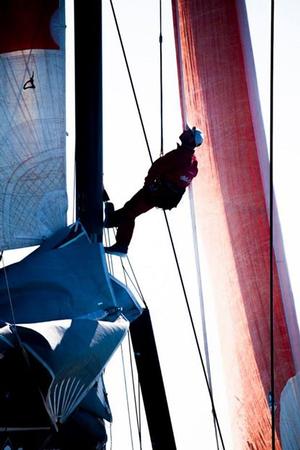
[(116, 249)]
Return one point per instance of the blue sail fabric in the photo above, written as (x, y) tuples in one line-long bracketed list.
[(70, 315), (75, 353), (96, 402), (65, 278)]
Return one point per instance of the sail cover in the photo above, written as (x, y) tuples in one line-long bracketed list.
[(33, 199), (218, 94)]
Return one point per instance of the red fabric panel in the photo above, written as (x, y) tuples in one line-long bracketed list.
[(25, 24), (232, 215)]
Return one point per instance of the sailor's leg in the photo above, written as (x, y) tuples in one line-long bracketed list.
[(137, 205)]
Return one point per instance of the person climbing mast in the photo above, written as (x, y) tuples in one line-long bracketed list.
[(164, 186)]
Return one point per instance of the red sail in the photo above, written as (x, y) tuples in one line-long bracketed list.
[(26, 24), (217, 88)]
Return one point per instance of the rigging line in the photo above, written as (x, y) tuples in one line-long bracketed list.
[(31, 55), (19, 341), (127, 397), (130, 78), (110, 435), (202, 306), (134, 282), (46, 442), (161, 81), (183, 103), (74, 191), (272, 368), (139, 400), (137, 410), (195, 333), (170, 235), (33, 35), (20, 103), (14, 326), (108, 257)]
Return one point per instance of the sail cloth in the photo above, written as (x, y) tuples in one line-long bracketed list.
[(75, 353), (289, 414), (33, 199), (217, 95), (70, 315), (65, 278)]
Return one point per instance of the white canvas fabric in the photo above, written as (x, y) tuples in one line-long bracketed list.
[(33, 199)]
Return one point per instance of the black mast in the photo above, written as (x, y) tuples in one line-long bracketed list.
[(89, 188), (152, 385), (88, 108)]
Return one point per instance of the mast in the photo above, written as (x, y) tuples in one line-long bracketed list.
[(88, 108), (152, 385), (89, 187)]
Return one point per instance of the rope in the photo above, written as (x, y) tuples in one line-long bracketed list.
[(19, 341), (14, 326), (161, 81), (134, 282), (108, 257), (195, 334), (272, 367), (127, 397), (131, 82), (132, 278), (172, 243), (201, 298), (111, 436), (138, 290), (196, 246), (139, 403), (137, 408)]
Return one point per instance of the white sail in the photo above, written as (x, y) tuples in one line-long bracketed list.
[(33, 199)]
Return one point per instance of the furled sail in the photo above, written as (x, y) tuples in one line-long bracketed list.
[(33, 199), (65, 363), (74, 353), (218, 94), (62, 314), (62, 318), (65, 278)]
